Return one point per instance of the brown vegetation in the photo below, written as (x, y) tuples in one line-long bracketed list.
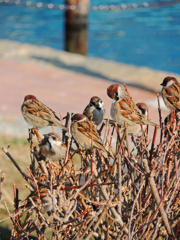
[(133, 196)]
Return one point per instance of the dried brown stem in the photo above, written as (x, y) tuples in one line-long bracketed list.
[(157, 197), (25, 176), (104, 198)]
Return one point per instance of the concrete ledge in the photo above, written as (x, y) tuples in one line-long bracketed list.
[(142, 77)]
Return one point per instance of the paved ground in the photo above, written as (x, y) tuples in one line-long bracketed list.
[(59, 88)]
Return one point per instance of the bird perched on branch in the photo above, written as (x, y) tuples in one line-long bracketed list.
[(123, 110), (85, 134), (95, 110), (171, 93), (135, 129), (44, 200), (52, 148), (38, 114)]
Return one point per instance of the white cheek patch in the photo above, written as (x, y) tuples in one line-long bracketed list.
[(121, 92), (58, 143), (101, 104), (28, 101), (55, 142), (170, 83), (82, 120)]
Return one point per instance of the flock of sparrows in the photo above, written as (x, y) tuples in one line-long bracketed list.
[(84, 126)]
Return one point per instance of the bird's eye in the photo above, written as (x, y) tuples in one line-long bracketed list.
[(54, 137), (73, 120), (116, 96), (143, 111)]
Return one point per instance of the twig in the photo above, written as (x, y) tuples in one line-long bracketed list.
[(172, 195), (100, 218), (153, 143), (132, 211), (156, 196), (119, 184), (159, 110), (25, 176), (154, 237), (1, 181), (113, 210)]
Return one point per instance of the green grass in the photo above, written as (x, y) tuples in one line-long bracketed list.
[(19, 149)]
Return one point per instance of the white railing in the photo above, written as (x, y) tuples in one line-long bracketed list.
[(94, 8)]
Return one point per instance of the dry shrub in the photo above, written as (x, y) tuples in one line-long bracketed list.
[(133, 196)]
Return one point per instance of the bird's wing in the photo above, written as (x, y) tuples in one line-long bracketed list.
[(129, 110), (172, 95), (40, 110), (89, 130), (87, 112)]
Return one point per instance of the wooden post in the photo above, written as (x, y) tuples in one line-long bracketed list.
[(76, 21)]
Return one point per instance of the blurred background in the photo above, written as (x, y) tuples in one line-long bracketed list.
[(138, 32)]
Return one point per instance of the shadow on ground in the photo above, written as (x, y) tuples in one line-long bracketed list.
[(84, 70), (5, 233)]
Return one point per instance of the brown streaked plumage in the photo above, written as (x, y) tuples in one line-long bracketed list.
[(123, 109), (38, 114), (136, 129), (85, 134), (171, 93)]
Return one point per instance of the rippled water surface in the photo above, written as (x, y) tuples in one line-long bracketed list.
[(143, 36)]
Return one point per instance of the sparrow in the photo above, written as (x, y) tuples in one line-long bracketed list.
[(52, 148), (123, 110), (143, 108), (38, 114), (135, 129), (171, 93), (44, 198), (85, 134), (95, 110)]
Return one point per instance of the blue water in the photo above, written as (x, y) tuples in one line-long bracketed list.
[(143, 37)]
